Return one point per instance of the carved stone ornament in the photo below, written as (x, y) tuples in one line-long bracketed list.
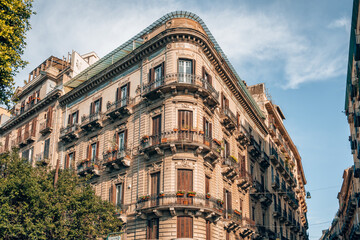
[(185, 163), (119, 179), (155, 167)]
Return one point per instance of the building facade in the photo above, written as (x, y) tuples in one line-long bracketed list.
[(346, 223), (174, 138)]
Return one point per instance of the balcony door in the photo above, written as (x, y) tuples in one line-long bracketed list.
[(124, 95), (155, 188), (184, 183), (156, 129), (227, 202), (185, 120), (184, 227), (185, 70), (152, 229), (207, 132)]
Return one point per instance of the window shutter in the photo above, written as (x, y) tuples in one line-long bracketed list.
[(125, 138), (128, 91), (150, 75), (67, 161), (238, 119), (227, 103), (69, 119), (33, 127), (113, 193), (49, 117), (222, 100), (193, 67), (210, 79), (100, 104), (7, 142), (210, 130), (89, 152), (77, 116), (203, 72), (204, 121), (163, 70), (117, 139), (117, 97), (229, 201), (97, 149), (91, 108)]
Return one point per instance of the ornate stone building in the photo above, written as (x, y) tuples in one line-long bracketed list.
[(179, 143)]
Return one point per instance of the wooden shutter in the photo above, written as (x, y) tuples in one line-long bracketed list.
[(222, 100), (229, 201), (185, 180), (203, 72), (125, 138), (226, 103), (77, 116), (117, 139), (238, 119), (7, 139), (210, 130), (113, 193), (69, 119), (26, 135), (89, 152), (100, 104), (210, 79), (184, 227), (49, 117), (67, 158), (207, 184), (155, 184), (163, 70), (117, 96), (128, 92), (91, 108), (193, 66), (208, 230), (97, 149), (33, 127)]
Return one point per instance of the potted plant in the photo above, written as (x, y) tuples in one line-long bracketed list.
[(191, 194), (201, 132), (217, 142), (234, 158), (208, 195), (175, 129), (238, 212), (180, 193), (161, 194), (220, 202), (193, 130), (145, 138)]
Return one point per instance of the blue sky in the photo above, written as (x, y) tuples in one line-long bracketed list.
[(298, 48)]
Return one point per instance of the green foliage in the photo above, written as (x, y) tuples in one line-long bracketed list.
[(31, 208), (14, 22)]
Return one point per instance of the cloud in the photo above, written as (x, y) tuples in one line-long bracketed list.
[(342, 22)]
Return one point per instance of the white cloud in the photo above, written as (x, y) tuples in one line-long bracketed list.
[(264, 38), (342, 22)]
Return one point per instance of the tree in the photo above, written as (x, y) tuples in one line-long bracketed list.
[(14, 23), (32, 208)]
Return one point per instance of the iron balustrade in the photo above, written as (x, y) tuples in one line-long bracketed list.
[(68, 129), (120, 103), (89, 165), (228, 113), (231, 163), (115, 154), (180, 136), (91, 118), (233, 215), (172, 199), (179, 78)]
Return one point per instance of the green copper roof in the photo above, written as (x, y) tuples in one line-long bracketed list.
[(137, 41)]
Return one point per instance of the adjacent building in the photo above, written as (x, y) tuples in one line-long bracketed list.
[(174, 138)]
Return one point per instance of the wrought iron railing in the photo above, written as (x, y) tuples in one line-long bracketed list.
[(110, 106), (227, 112), (68, 129), (91, 117), (180, 78)]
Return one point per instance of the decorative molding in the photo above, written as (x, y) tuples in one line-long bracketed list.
[(154, 167), (185, 163)]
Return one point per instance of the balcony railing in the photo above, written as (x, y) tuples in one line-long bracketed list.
[(89, 166), (242, 135), (245, 179), (169, 200), (40, 158), (190, 139), (29, 136), (45, 127), (69, 133), (275, 182), (91, 121), (254, 148), (117, 157), (264, 160), (119, 108), (277, 211), (180, 79), (228, 118)]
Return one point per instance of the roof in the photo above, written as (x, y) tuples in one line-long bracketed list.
[(126, 48)]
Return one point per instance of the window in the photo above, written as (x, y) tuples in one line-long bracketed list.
[(95, 107), (207, 129), (156, 76), (227, 202), (156, 129), (185, 122), (253, 214), (184, 183), (184, 227), (46, 148), (226, 149), (93, 151), (124, 95), (49, 116), (121, 141), (207, 78), (186, 70), (69, 160), (155, 188), (263, 218), (158, 71), (27, 154), (207, 184), (224, 101), (252, 170), (22, 109), (119, 194), (153, 229)]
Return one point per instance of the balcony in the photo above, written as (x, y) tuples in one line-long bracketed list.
[(272, 129), (283, 189), (266, 198), (288, 220), (293, 202), (117, 158), (256, 189), (92, 122), (176, 204), (245, 180), (248, 227), (45, 128), (41, 159), (29, 137), (119, 108), (254, 148), (283, 217), (89, 167), (242, 136), (277, 211), (179, 82), (275, 184), (230, 168), (21, 141), (274, 157), (232, 219), (184, 140), (228, 118), (70, 133), (264, 160), (281, 166)]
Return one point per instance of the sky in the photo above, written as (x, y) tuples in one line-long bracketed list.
[(298, 49)]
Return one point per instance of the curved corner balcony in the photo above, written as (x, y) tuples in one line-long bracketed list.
[(119, 108), (199, 205), (117, 158), (180, 82), (92, 121), (69, 133), (181, 140)]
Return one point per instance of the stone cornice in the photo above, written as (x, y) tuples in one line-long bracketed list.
[(169, 36), (55, 94)]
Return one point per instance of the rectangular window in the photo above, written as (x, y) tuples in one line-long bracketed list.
[(121, 141), (207, 184), (74, 118), (185, 123), (156, 131), (152, 229), (226, 149), (69, 160), (124, 95), (184, 183), (93, 152), (95, 107), (158, 74), (119, 194), (185, 70), (184, 227), (227, 202), (46, 148), (253, 214), (155, 188)]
